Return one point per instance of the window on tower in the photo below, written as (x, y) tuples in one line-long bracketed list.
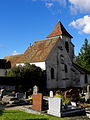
[(67, 46)]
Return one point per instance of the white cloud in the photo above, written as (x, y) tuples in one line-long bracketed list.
[(82, 24), (81, 5), (49, 5), (60, 2), (54, 6), (14, 52)]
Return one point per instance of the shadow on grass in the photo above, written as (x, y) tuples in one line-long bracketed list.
[(1, 112)]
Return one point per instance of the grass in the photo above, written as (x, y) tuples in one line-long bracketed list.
[(20, 115)]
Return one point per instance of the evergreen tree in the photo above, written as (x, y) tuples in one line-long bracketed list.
[(83, 59)]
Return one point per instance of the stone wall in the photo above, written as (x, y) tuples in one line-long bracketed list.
[(2, 72), (58, 60)]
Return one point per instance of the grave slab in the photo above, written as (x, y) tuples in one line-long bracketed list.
[(55, 106)]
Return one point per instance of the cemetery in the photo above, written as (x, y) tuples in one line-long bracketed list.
[(57, 103), (46, 78)]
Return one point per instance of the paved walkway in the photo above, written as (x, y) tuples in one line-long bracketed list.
[(18, 107)]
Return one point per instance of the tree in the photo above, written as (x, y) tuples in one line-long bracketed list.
[(25, 71), (83, 59), (28, 76)]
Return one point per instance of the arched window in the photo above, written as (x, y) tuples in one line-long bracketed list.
[(86, 79), (67, 46), (66, 70), (62, 59), (52, 73)]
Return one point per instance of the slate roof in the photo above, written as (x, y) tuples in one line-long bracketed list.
[(39, 51), (59, 30), (13, 59)]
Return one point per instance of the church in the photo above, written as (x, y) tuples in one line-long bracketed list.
[(55, 55)]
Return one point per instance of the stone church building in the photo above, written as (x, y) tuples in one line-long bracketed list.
[(55, 55)]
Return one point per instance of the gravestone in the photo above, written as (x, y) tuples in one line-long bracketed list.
[(37, 101), (51, 93), (55, 106), (35, 89), (19, 95), (87, 96)]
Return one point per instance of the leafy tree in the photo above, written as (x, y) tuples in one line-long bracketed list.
[(83, 59), (25, 71), (28, 76)]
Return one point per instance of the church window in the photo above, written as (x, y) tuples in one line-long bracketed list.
[(66, 70), (62, 59), (52, 73), (67, 46), (86, 79)]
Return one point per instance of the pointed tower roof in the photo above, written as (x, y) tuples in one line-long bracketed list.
[(59, 30)]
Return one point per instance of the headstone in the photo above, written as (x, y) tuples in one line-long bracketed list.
[(55, 106), (87, 96), (1, 94), (88, 88), (35, 89), (51, 93), (19, 95), (37, 101)]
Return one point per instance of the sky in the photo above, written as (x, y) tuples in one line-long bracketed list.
[(22, 22)]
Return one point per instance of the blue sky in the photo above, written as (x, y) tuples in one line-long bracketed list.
[(24, 21)]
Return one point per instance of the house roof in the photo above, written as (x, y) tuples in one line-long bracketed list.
[(39, 51), (59, 30), (13, 59)]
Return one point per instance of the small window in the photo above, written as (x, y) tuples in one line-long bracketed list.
[(62, 59), (66, 70), (86, 80), (52, 73), (67, 46)]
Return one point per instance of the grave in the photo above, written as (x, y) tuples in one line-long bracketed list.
[(87, 96), (37, 101), (55, 106), (57, 109), (35, 89), (51, 93), (19, 95)]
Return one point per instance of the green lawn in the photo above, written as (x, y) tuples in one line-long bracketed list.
[(20, 115)]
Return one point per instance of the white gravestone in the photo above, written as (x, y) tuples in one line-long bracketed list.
[(87, 97), (35, 89), (51, 93), (55, 106)]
